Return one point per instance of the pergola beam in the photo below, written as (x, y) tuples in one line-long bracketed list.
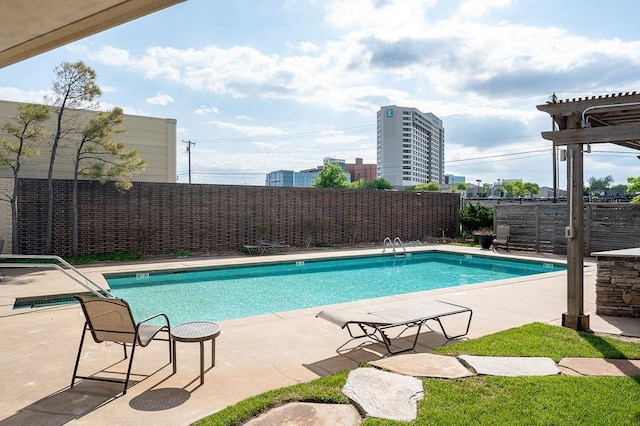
[(628, 134), (578, 105)]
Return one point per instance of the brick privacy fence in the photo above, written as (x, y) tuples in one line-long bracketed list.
[(540, 227), (162, 218)]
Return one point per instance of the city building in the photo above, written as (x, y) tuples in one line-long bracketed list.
[(289, 178), (410, 146), (304, 178), (359, 170), (154, 138), (454, 180)]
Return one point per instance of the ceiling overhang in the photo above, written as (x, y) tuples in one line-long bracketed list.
[(31, 27)]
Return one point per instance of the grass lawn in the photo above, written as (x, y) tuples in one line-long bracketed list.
[(489, 400)]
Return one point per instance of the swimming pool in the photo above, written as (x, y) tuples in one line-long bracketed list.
[(236, 292)]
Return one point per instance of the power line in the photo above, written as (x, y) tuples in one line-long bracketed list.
[(499, 155), (293, 136)]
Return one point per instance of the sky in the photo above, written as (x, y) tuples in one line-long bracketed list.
[(264, 85)]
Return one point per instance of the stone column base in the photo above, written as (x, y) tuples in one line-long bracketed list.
[(576, 322)]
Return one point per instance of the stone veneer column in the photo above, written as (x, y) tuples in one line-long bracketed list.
[(618, 283)]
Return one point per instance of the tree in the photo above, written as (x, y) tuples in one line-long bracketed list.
[(514, 188), (379, 183), (331, 176), (429, 186), (634, 188), (100, 158), (28, 131), (531, 188), (598, 186), (74, 88), (462, 186)]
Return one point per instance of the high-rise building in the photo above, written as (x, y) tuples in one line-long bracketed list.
[(410, 146)]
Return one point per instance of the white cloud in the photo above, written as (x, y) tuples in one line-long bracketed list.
[(19, 95), (243, 118), (160, 99), (206, 110), (112, 55), (249, 130), (479, 8), (308, 47)]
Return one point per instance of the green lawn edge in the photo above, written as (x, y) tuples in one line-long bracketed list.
[(487, 400)]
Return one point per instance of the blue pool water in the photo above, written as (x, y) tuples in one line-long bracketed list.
[(226, 293)]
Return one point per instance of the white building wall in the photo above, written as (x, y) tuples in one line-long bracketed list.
[(154, 138)]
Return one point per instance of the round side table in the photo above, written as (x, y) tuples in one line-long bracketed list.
[(196, 332)]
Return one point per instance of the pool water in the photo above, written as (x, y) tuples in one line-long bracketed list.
[(236, 292)]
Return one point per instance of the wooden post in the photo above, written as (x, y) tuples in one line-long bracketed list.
[(574, 317)]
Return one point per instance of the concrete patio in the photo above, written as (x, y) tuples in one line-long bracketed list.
[(253, 354)]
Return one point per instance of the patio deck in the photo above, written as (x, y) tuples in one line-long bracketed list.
[(253, 354)]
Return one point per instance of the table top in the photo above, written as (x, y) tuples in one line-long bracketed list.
[(195, 331)]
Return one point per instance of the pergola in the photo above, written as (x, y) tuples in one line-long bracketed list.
[(582, 122), (31, 27)]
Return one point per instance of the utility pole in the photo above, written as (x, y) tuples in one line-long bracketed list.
[(189, 143)]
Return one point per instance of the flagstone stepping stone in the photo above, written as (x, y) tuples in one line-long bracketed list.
[(511, 366), (601, 366), (384, 395), (425, 365), (309, 414)]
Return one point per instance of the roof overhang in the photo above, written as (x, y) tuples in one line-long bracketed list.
[(31, 27)]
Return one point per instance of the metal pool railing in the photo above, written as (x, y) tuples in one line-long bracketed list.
[(66, 268)]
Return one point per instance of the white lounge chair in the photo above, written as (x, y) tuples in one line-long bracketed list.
[(375, 324)]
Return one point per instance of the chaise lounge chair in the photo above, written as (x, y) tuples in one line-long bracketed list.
[(111, 320), (375, 324), (262, 248)]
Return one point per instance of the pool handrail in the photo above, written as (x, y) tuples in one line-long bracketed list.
[(98, 290), (393, 246)]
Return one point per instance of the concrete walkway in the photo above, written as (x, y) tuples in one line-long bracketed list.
[(253, 354)]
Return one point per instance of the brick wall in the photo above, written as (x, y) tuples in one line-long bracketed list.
[(161, 218), (618, 286)]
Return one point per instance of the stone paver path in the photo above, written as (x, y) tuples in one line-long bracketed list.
[(600, 366), (309, 414), (424, 365), (384, 395), (511, 366), (395, 396)]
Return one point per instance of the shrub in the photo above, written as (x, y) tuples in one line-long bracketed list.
[(475, 217)]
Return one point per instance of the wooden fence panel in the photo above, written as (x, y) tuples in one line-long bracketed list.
[(540, 227)]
